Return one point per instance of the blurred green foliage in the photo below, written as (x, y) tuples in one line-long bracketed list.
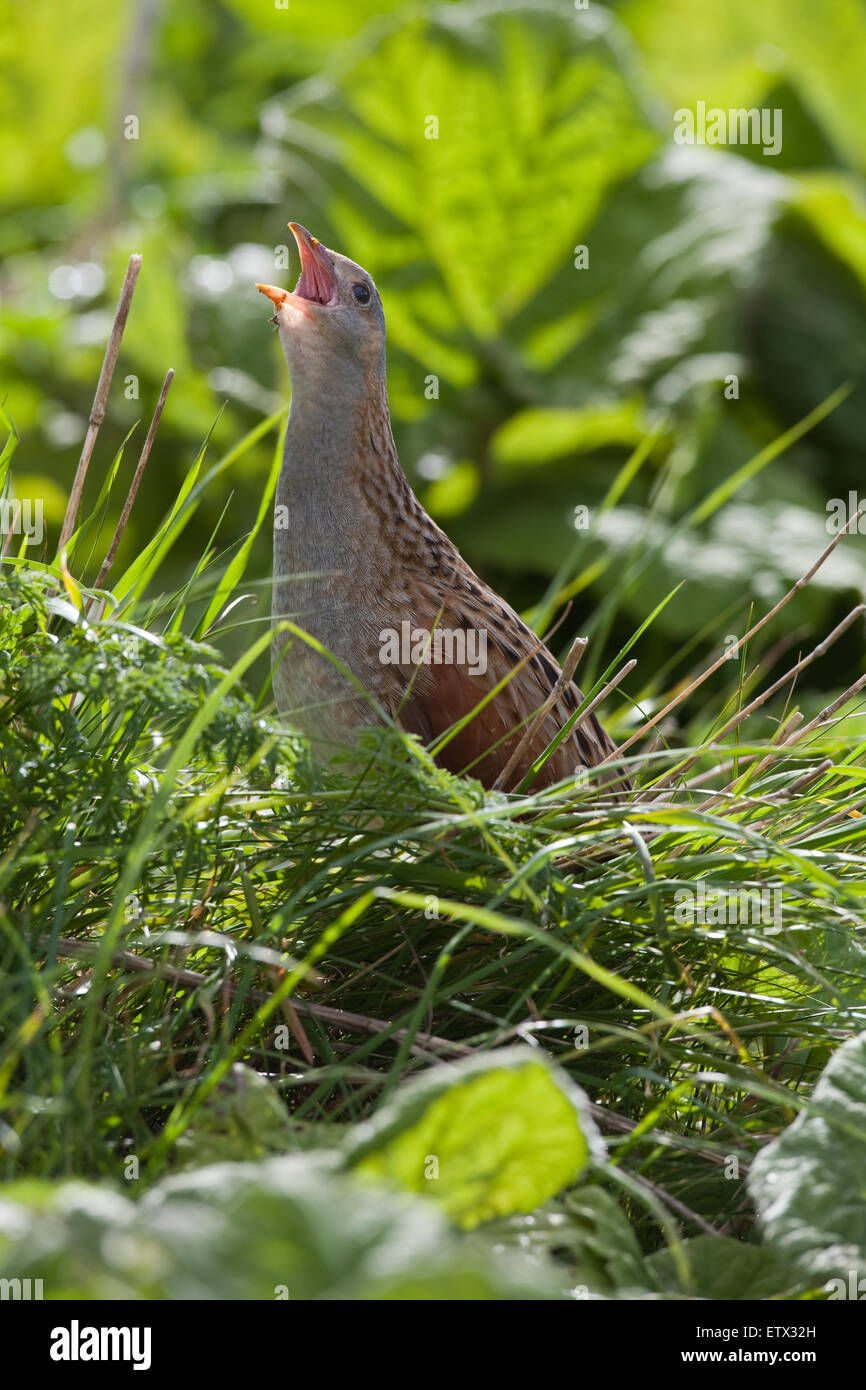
[(192, 132)]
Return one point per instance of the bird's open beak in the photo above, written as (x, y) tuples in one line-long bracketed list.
[(317, 283)]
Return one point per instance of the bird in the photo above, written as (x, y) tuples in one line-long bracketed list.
[(390, 622)]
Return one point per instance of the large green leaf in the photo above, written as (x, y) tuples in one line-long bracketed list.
[(810, 1184), (482, 1138), (541, 434), (535, 108), (727, 1269), (34, 127), (286, 1228), (736, 54)]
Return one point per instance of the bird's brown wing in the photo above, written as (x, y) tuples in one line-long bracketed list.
[(441, 695)]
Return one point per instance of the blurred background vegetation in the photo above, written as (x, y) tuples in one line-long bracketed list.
[(193, 131)]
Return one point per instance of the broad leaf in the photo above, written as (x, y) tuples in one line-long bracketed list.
[(482, 1138), (810, 1184), (288, 1228), (722, 1268)]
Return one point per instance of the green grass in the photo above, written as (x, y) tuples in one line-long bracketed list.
[(182, 891)]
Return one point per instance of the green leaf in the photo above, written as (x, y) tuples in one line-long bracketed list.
[(243, 1118), (723, 1268), (590, 1235), (11, 444), (714, 53), (542, 434), (136, 578), (237, 567), (832, 203), (511, 109), (286, 1228), (810, 1184), (99, 508), (482, 1138)]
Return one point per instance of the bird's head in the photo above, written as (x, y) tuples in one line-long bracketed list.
[(333, 319)]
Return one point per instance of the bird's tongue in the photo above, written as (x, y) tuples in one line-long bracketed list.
[(317, 281)]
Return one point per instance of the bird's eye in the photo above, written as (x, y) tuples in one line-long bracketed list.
[(361, 293)]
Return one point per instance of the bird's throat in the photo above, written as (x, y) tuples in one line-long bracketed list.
[(338, 456)]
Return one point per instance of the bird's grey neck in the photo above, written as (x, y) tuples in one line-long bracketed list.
[(321, 445), (326, 423), (323, 523)]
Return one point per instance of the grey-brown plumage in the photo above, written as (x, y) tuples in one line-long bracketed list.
[(356, 556)]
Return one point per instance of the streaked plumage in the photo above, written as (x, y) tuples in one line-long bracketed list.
[(358, 555)]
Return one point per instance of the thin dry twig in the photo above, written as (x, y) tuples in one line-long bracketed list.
[(620, 1124), (566, 675), (676, 1205), (759, 700), (824, 715), (134, 485), (787, 737), (338, 1018), (769, 661), (794, 733), (711, 669), (850, 810), (801, 783), (97, 412), (605, 691), (782, 734)]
